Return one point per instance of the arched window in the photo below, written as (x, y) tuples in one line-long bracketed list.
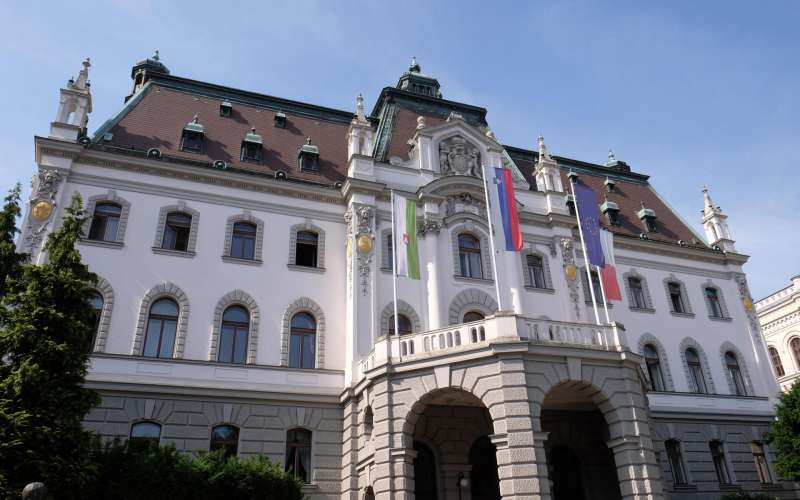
[(298, 453), (233, 335), (225, 437), (732, 365), (535, 270), (777, 365), (302, 341), (469, 254), (369, 421), (637, 293), (471, 316), (696, 371), (145, 433), (760, 459), (96, 300), (162, 326), (720, 464), (243, 240), (105, 222), (306, 249), (176, 232), (403, 325), (714, 306), (795, 346), (654, 367)]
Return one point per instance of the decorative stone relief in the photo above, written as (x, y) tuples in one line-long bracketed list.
[(571, 273), (459, 157), (44, 188), (464, 203), (364, 239), (429, 225), (749, 309)]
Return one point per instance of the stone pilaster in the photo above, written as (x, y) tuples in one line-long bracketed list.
[(637, 469)]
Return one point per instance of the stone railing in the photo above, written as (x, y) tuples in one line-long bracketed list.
[(502, 327)]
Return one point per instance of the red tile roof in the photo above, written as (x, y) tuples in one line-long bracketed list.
[(157, 121)]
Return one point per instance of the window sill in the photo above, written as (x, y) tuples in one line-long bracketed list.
[(684, 487), (771, 486), (310, 488), (174, 253), (720, 318), (682, 315), (600, 304), (104, 244), (643, 310), (237, 260), (729, 487), (467, 279), (387, 270), (540, 290), (307, 269)]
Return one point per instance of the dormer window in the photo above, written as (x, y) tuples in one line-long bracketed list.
[(280, 119), (611, 211), (192, 137), (648, 218), (570, 202), (252, 147), (225, 109), (308, 157)]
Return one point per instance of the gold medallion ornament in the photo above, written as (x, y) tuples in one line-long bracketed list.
[(42, 210), (364, 243), (748, 304), (571, 272)]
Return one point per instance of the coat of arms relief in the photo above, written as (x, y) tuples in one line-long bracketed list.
[(459, 157)]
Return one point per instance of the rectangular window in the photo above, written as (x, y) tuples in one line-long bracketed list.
[(192, 141), (760, 459), (637, 293), (676, 298), (676, 462), (306, 249), (535, 271), (390, 252), (598, 291), (720, 465), (712, 296), (176, 232), (243, 240)]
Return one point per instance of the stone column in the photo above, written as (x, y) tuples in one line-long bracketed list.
[(430, 231), (521, 465), (637, 469)]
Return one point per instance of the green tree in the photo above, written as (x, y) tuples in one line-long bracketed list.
[(46, 324), (785, 435), (10, 260)]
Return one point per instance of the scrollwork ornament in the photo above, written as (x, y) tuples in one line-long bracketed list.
[(568, 262), (749, 310), (44, 185)]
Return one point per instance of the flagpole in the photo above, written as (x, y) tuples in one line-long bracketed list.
[(491, 237), (603, 291), (585, 254), (394, 274)]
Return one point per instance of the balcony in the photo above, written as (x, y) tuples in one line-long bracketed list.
[(502, 327)]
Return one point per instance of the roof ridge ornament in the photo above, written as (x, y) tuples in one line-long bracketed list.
[(543, 153), (360, 108), (611, 157), (415, 67), (156, 57)]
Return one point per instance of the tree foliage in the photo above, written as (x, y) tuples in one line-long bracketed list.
[(129, 471), (46, 326), (10, 260), (785, 435)]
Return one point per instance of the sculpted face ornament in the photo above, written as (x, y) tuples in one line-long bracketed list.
[(459, 157)]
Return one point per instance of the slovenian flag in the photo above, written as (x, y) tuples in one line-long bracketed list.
[(404, 237), (608, 273), (504, 208)]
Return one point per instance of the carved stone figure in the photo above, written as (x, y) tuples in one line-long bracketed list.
[(44, 185), (568, 261), (459, 157)]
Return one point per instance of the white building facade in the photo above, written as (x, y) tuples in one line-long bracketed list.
[(243, 243), (779, 316)]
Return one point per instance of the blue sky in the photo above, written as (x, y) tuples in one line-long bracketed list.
[(691, 93)]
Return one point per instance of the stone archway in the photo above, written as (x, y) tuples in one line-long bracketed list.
[(581, 466), (446, 426)]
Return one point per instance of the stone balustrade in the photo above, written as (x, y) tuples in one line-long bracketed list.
[(501, 327)]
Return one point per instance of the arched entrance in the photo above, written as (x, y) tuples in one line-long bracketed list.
[(449, 430), (484, 483), (580, 465), (424, 473)]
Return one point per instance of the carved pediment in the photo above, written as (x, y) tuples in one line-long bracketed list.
[(457, 156)]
